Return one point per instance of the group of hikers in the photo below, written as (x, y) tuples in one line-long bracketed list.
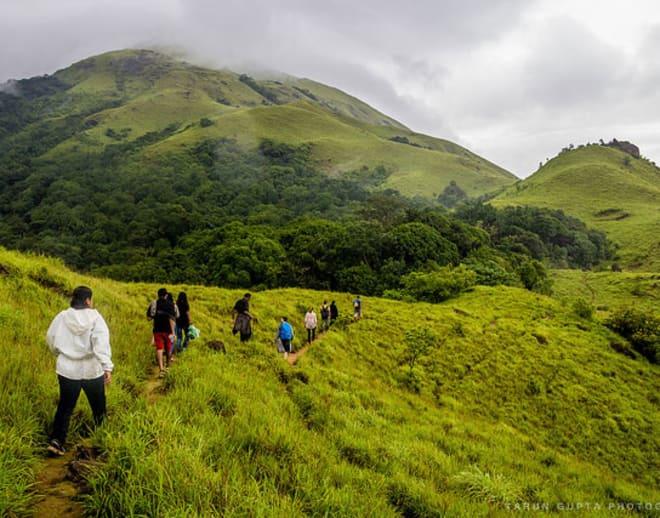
[(242, 322), (172, 327), (80, 338)]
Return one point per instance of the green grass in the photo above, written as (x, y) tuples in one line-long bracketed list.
[(608, 190), (151, 92), (608, 292), (520, 403)]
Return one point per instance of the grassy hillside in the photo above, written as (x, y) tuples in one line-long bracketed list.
[(608, 291), (518, 403), (120, 97), (606, 188)]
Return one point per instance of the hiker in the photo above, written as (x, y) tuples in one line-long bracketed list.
[(172, 338), (357, 308), (183, 322), (163, 315), (242, 319), (310, 324), (285, 335), (325, 316), (334, 312), (80, 338)]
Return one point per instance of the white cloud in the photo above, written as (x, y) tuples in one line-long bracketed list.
[(513, 80)]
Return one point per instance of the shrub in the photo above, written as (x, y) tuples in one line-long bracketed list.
[(583, 309), (640, 328)]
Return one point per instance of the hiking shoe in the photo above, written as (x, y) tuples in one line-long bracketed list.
[(55, 447), (162, 374)]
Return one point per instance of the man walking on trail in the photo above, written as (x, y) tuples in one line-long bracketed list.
[(162, 312), (357, 308), (242, 319), (81, 340)]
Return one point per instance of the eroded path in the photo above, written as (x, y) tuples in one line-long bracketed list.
[(57, 492)]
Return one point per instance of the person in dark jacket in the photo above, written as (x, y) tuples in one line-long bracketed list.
[(183, 322), (242, 319), (334, 312)]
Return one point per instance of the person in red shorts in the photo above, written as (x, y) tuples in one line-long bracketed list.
[(163, 314)]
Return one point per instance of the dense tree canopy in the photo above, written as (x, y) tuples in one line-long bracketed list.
[(222, 215)]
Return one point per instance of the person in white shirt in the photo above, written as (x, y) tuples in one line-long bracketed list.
[(310, 324), (81, 340)]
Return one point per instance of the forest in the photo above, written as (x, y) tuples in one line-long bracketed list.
[(221, 215)]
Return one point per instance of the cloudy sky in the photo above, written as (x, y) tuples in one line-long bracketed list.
[(512, 80)]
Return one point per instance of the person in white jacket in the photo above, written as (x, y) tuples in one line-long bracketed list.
[(81, 340), (310, 324)]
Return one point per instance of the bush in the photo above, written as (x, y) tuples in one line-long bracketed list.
[(640, 328), (583, 309)]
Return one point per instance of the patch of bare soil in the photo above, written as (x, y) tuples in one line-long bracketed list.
[(61, 480)]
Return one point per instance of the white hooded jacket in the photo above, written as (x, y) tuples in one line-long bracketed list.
[(81, 340)]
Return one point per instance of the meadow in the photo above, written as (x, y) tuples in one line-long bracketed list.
[(516, 405)]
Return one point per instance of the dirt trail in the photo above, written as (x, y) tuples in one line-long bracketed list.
[(58, 480), (57, 492), (293, 357)]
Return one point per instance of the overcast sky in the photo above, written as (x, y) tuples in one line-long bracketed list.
[(512, 80)]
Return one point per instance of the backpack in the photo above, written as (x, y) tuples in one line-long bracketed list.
[(151, 310)]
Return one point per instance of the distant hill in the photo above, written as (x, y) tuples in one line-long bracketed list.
[(119, 97), (608, 188)]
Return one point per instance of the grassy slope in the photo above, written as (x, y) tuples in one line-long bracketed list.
[(608, 291), (153, 92), (607, 189), (521, 403)]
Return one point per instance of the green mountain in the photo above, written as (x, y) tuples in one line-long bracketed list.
[(500, 401), (609, 189), (119, 97)]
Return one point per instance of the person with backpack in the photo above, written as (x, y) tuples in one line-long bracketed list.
[(310, 324), (242, 319), (285, 335), (80, 338), (325, 316), (163, 314)]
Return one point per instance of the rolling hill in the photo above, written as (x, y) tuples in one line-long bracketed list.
[(518, 405), (121, 96), (608, 189)]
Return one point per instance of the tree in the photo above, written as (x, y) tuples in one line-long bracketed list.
[(438, 285), (417, 244), (419, 342)]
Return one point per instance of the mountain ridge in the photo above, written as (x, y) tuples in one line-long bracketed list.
[(122, 95)]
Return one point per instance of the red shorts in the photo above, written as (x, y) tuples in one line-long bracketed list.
[(162, 341)]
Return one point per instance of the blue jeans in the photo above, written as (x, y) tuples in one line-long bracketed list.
[(69, 392), (181, 343)]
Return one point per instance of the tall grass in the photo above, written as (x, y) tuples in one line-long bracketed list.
[(523, 403)]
